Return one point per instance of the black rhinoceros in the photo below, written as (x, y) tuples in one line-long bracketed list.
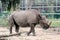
[(27, 18)]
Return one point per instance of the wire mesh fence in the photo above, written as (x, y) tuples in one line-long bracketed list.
[(50, 8), (54, 17)]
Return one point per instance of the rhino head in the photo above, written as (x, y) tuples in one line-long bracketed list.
[(45, 24)]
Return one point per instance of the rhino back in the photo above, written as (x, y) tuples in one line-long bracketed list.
[(24, 17), (20, 17)]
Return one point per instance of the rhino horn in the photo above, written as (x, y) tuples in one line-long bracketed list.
[(50, 23)]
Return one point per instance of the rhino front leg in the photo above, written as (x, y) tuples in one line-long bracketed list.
[(32, 30)]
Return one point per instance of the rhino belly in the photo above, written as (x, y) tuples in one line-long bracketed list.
[(24, 24)]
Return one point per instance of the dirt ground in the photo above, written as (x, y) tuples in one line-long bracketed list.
[(41, 34)]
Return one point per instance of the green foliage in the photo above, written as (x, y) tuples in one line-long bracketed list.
[(13, 4), (10, 4), (4, 18), (3, 22)]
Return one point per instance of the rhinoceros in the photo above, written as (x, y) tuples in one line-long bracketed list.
[(27, 18)]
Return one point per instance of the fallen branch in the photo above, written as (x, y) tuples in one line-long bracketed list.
[(9, 35)]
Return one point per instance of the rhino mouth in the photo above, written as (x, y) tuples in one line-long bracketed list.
[(46, 27)]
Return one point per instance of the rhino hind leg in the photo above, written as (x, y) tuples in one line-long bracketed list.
[(16, 26), (32, 29), (11, 28)]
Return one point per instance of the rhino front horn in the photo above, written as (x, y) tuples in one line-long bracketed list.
[(50, 23)]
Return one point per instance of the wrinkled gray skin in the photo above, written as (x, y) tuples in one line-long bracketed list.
[(27, 18)]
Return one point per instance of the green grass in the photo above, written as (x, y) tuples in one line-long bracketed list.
[(3, 22), (55, 22)]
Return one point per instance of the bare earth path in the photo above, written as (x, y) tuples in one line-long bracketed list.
[(50, 34)]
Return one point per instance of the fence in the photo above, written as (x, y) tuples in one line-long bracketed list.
[(54, 17), (51, 8), (44, 5)]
